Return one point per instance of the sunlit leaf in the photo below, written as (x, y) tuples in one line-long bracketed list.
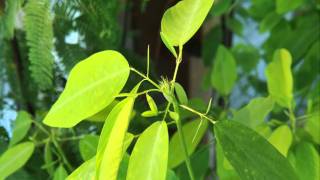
[(88, 146), (152, 104), (86, 171), (60, 173), (122, 173), (279, 78), (255, 112), (180, 22), (103, 114), (192, 135), (168, 45), (224, 73), (92, 85), (14, 158), (149, 157), (305, 159), (21, 127), (250, 154), (313, 125), (181, 93), (281, 139)]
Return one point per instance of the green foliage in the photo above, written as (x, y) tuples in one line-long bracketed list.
[(8, 20), (85, 171), (60, 173), (181, 93), (281, 138), (180, 22), (14, 158), (155, 141), (250, 154), (224, 73), (39, 35), (88, 146), (279, 76), (21, 127), (74, 105)]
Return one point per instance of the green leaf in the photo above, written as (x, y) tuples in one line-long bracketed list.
[(193, 135), (220, 7), (60, 173), (149, 157), (281, 138), (92, 85), (111, 143), (225, 170), (269, 22), (48, 158), (247, 56), (279, 78), (224, 73), (103, 114), (283, 6), (168, 45), (305, 159), (180, 22), (181, 93), (313, 125), (20, 128), (85, 171), (152, 104), (175, 116), (171, 175), (149, 114), (88, 146), (255, 112), (14, 158), (122, 173), (250, 154)]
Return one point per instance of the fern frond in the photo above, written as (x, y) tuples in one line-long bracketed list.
[(39, 35), (7, 20)]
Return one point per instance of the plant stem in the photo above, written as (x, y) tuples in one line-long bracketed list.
[(198, 113), (145, 77), (60, 151), (292, 119)]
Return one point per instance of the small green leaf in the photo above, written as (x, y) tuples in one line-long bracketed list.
[(255, 112), (180, 22), (149, 114), (92, 85), (250, 154), (152, 104), (192, 134), (313, 125), (281, 139), (88, 146), (283, 6), (279, 78), (224, 73), (181, 93), (86, 171), (149, 157), (168, 45), (60, 173), (14, 158), (306, 161), (269, 22), (48, 158), (20, 128), (175, 116)]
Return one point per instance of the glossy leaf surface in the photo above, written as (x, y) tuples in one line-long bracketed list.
[(149, 157), (91, 86), (86, 171)]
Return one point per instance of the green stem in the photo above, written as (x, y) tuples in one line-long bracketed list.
[(61, 153), (198, 113), (292, 118), (145, 77)]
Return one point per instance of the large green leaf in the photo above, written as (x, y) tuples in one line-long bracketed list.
[(250, 154), (86, 171), (224, 73), (193, 132), (279, 78), (305, 159), (92, 85), (21, 127), (60, 173), (180, 22), (88, 146), (112, 139), (14, 158), (255, 112), (281, 139), (149, 157), (225, 170)]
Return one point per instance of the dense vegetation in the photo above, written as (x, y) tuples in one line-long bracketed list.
[(79, 101)]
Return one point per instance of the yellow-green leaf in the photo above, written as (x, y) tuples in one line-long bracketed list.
[(103, 114), (181, 93), (88, 146), (149, 157), (281, 139), (84, 172), (193, 133), (279, 78), (20, 128), (224, 73), (14, 158), (313, 125), (92, 85), (180, 22), (152, 104)]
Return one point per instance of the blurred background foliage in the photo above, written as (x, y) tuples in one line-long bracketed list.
[(41, 40)]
